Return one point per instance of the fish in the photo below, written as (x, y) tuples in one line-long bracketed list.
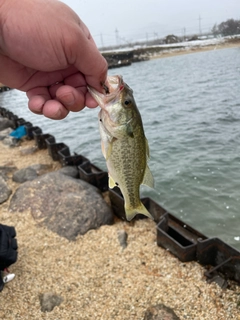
[(124, 144)]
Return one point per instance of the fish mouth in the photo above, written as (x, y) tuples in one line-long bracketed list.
[(113, 87), (114, 83)]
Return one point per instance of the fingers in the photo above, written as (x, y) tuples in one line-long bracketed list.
[(53, 109), (72, 93), (40, 102), (37, 98), (90, 102), (56, 100), (73, 99)]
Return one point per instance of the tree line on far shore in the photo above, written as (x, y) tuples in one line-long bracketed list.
[(229, 27)]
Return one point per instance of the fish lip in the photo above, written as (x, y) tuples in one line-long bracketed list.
[(116, 86)]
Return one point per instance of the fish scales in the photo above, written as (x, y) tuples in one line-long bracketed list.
[(126, 157)]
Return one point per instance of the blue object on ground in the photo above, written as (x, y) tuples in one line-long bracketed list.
[(19, 132)]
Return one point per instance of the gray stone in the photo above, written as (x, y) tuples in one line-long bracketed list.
[(160, 312), (5, 133), (70, 171), (6, 123), (63, 204), (25, 174), (122, 238), (41, 168), (5, 170), (5, 191), (30, 150), (218, 279), (49, 301), (30, 173), (11, 141)]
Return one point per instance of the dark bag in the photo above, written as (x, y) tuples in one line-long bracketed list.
[(8, 249), (8, 246)]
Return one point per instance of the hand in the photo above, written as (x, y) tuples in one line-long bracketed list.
[(48, 52)]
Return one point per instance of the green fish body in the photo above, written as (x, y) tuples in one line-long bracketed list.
[(124, 144)]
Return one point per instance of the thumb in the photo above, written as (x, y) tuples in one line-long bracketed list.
[(88, 59)]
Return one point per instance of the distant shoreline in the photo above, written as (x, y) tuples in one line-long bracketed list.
[(194, 49), (120, 57)]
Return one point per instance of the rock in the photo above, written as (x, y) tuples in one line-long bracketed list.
[(25, 174), (41, 168), (63, 204), (5, 170), (11, 141), (5, 133), (70, 171), (6, 123), (4, 190), (49, 301), (31, 172), (122, 238), (160, 312), (30, 150), (218, 279)]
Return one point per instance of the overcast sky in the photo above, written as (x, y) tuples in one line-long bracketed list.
[(142, 19)]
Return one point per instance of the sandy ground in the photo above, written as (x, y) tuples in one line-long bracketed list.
[(96, 277)]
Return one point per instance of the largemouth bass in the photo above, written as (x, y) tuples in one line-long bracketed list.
[(124, 144)]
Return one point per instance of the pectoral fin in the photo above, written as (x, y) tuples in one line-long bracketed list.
[(106, 149), (148, 178), (106, 139)]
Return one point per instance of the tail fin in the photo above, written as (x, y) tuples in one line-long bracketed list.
[(132, 212)]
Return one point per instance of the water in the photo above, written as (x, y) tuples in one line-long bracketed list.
[(190, 106)]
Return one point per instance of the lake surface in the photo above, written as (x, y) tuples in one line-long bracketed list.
[(190, 106)]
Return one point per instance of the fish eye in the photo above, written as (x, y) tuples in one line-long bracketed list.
[(127, 102)]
